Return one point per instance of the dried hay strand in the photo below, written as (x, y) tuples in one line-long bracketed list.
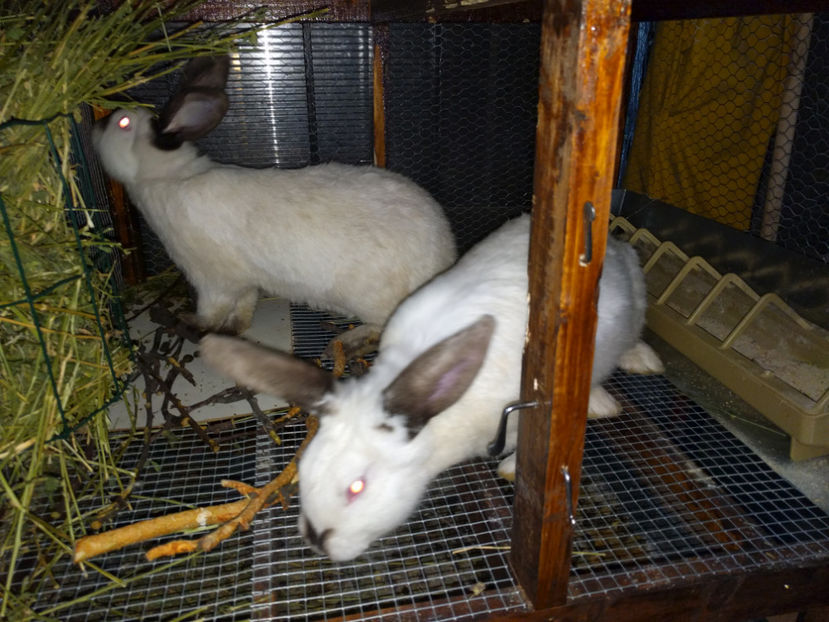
[(63, 353)]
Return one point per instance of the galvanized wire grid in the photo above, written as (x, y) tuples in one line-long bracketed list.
[(667, 495), (311, 330), (181, 472), (454, 547), (447, 561)]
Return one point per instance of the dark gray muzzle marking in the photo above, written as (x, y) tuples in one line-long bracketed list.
[(316, 540)]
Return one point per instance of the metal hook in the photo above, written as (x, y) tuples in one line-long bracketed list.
[(568, 488), (497, 445), (589, 215)]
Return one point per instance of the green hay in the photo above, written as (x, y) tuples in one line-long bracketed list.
[(63, 354)]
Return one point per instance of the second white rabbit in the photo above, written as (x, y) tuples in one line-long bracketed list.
[(355, 240)]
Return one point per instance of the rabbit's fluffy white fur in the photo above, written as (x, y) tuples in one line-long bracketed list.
[(350, 239), (449, 361)]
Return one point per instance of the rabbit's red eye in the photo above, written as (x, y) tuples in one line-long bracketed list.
[(355, 488), (124, 122)]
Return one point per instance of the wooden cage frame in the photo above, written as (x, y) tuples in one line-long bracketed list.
[(583, 52)]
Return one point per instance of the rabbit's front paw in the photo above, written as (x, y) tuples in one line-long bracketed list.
[(506, 468), (602, 404)]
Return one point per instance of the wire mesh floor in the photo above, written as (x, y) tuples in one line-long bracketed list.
[(181, 472), (667, 494)]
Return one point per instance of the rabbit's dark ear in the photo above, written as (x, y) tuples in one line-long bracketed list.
[(198, 106), (440, 376), (267, 371), (209, 72)]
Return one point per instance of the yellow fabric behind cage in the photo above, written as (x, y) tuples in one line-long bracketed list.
[(710, 103)]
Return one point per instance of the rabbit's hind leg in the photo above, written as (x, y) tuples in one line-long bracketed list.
[(241, 316), (228, 312), (641, 359)]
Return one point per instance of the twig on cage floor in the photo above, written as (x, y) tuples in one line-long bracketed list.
[(170, 353), (277, 490), (263, 420), (166, 348), (149, 367), (157, 299), (757, 425), (507, 547), (481, 547), (339, 358), (231, 515)]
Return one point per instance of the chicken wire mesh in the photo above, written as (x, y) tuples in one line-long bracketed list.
[(732, 124), (461, 117), (447, 562), (667, 496)]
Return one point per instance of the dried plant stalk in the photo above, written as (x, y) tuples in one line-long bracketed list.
[(232, 515), (109, 541)]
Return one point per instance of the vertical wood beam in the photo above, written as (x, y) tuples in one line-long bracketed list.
[(381, 46), (583, 48)]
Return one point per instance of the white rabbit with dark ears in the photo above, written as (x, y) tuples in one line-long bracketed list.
[(449, 361), (350, 239)]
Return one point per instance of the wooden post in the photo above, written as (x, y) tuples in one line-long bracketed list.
[(381, 46), (583, 47)]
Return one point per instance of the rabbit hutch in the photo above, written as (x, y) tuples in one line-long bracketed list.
[(700, 133)]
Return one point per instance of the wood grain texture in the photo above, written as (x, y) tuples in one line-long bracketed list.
[(381, 46), (583, 45), (718, 598)]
